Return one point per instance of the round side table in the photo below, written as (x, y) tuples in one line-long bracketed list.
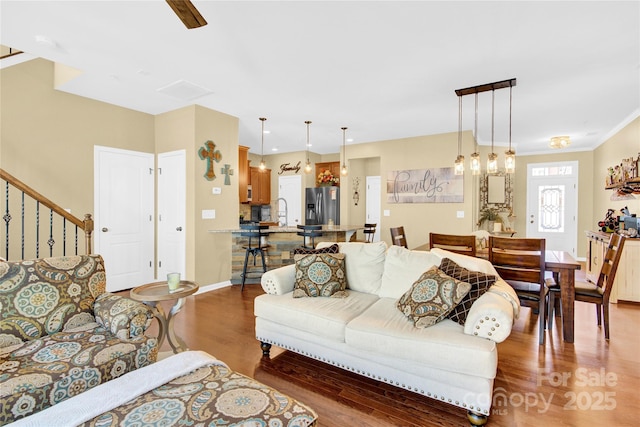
[(151, 294)]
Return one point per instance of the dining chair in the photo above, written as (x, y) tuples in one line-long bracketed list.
[(461, 244), (521, 263), (369, 231), (598, 292), (398, 237), (309, 234)]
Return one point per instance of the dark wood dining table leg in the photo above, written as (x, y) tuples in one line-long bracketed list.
[(567, 284)]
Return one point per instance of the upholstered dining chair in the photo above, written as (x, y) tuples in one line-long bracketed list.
[(398, 237), (465, 245), (596, 292), (521, 263)]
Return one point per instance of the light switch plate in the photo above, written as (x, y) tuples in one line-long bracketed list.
[(208, 214), (216, 190), (386, 212), (460, 214)]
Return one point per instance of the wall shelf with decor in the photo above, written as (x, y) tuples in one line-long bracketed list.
[(624, 177)]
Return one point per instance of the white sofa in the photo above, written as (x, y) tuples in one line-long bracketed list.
[(365, 332)]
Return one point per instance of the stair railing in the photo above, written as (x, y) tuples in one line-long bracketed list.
[(32, 237)]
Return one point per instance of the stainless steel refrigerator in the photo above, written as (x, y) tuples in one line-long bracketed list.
[(322, 205)]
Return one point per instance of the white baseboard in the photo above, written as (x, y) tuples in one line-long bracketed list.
[(213, 287)]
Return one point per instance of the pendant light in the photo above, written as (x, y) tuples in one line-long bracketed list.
[(344, 152), (307, 167), (475, 156), (459, 164), (510, 155), (492, 160), (263, 165)]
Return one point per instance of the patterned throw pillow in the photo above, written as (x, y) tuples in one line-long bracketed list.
[(333, 249), (320, 275), (432, 297), (480, 283)]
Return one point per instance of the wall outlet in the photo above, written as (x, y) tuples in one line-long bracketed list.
[(460, 214), (208, 214), (216, 190), (386, 212)]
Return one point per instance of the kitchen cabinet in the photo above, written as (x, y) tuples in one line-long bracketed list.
[(333, 167), (260, 186), (626, 286), (243, 173)]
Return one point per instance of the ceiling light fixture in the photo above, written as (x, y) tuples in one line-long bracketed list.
[(492, 162), (560, 142), (459, 164), (510, 155), (344, 152), (263, 166), (307, 167)]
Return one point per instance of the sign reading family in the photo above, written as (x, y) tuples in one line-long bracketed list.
[(436, 185)]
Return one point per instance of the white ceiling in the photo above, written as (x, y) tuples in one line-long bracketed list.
[(385, 70)]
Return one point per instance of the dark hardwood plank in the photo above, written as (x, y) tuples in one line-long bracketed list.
[(530, 377)]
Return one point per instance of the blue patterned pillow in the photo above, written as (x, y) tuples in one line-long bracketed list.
[(432, 297), (320, 275)]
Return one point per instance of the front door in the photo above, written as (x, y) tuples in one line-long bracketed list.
[(552, 200), (172, 202), (124, 226)]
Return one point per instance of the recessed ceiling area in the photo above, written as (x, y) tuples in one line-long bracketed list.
[(384, 69)]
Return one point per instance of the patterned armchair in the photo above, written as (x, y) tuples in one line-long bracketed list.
[(61, 333)]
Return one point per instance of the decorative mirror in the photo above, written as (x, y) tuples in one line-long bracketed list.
[(496, 191)]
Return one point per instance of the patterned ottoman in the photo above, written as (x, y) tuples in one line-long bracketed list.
[(190, 388)]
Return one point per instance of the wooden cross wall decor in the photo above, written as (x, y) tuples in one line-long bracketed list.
[(210, 153), (227, 171)]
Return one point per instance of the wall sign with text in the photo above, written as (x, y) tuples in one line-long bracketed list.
[(435, 185)]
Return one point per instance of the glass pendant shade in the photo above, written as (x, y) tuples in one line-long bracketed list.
[(263, 166), (307, 167), (492, 163), (474, 164), (459, 165), (510, 161)]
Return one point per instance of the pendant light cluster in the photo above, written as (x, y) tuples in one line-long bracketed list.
[(344, 152), (492, 160)]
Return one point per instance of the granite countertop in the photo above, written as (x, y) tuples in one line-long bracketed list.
[(293, 229)]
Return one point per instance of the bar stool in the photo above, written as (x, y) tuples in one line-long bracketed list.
[(309, 232), (256, 245)]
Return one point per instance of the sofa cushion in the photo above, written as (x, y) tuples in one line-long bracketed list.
[(320, 275), (364, 263), (44, 296), (332, 249), (42, 372), (479, 282), (402, 267), (383, 329), (324, 317), (432, 297)]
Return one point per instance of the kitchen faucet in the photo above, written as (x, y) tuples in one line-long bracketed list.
[(286, 212)]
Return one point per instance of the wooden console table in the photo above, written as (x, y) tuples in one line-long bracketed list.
[(151, 294)]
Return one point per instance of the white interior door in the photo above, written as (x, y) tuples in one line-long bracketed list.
[(552, 203), (372, 197), (124, 208), (172, 200), (289, 190)]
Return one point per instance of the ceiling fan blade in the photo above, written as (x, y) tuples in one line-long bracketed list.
[(187, 13)]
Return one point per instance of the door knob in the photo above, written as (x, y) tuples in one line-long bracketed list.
[(178, 228), (105, 229)]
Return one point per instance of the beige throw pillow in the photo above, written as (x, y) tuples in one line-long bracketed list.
[(320, 275), (432, 297)]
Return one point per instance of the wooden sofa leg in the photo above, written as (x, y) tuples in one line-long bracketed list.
[(476, 419), (266, 348)]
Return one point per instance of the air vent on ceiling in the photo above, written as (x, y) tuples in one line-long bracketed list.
[(184, 90)]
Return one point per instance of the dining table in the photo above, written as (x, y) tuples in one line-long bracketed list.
[(563, 266)]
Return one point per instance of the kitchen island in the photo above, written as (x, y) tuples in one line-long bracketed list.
[(282, 241)]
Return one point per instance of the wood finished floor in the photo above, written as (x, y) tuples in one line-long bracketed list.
[(590, 382)]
